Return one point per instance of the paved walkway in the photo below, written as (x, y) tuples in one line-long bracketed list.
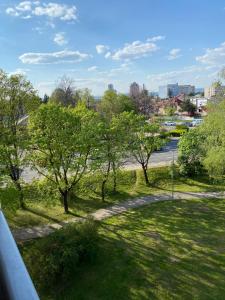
[(25, 234)]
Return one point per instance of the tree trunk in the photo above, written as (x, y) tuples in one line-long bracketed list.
[(21, 195), (104, 182), (145, 174), (114, 178), (65, 201), (103, 190)]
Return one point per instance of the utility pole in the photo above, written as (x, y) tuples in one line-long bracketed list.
[(172, 176)]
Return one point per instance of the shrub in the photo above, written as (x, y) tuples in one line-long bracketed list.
[(182, 127), (177, 132), (56, 257)]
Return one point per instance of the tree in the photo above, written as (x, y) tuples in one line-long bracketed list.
[(114, 104), (170, 111), (45, 99), (110, 150), (65, 93), (61, 143), (214, 143), (17, 98), (87, 98), (142, 139), (191, 152), (188, 107)]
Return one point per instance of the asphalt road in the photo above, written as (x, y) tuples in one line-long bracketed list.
[(162, 157)]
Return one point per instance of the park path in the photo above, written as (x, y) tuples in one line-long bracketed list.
[(24, 234)]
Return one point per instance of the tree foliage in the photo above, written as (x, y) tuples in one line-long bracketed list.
[(114, 104), (214, 129), (190, 153), (61, 143), (142, 139), (17, 98)]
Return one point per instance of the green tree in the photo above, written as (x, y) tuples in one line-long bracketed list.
[(114, 104), (61, 143), (65, 93), (110, 151), (214, 144), (45, 99), (188, 106), (17, 98), (191, 152), (142, 139), (170, 111)]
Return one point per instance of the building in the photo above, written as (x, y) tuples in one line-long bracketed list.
[(168, 91), (201, 104), (173, 90), (212, 91), (186, 89), (135, 90)]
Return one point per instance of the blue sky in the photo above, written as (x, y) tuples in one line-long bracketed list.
[(97, 42)]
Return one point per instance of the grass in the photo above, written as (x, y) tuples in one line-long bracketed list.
[(44, 207), (164, 251)]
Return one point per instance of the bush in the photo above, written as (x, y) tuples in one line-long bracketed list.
[(182, 127), (55, 258), (177, 132)]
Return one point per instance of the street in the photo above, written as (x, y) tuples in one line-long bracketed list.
[(158, 158)]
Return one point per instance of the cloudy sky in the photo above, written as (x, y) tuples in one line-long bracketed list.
[(97, 42)]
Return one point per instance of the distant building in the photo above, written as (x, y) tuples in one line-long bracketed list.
[(212, 91), (135, 90), (186, 89), (173, 90), (168, 91), (110, 87)]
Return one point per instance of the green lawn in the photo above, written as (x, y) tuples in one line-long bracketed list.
[(43, 205), (168, 250)]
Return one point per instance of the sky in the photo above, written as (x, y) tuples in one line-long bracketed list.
[(97, 42)]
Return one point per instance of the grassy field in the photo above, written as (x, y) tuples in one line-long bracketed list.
[(43, 205), (164, 251)]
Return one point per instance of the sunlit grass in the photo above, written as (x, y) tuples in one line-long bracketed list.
[(44, 207)]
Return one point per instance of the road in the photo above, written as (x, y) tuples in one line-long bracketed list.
[(158, 158), (162, 157)]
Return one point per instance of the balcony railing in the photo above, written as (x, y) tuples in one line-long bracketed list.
[(15, 281)]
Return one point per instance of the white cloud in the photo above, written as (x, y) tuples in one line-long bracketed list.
[(93, 68), (214, 56), (156, 38), (174, 54), (134, 50), (101, 49), (64, 56), (60, 39), (12, 12), (19, 71), (24, 6), (26, 9)]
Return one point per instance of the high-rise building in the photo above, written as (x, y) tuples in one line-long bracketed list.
[(186, 89), (134, 90), (213, 91), (168, 91), (173, 90)]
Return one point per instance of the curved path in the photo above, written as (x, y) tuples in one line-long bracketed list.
[(24, 234)]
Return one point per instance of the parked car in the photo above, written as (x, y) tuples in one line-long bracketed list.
[(170, 124), (197, 122)]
